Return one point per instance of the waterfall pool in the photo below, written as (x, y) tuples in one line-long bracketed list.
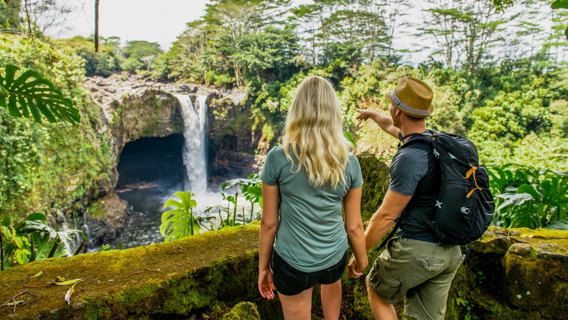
[(151, 170)]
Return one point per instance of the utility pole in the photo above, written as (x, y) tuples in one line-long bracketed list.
[(96, 25)]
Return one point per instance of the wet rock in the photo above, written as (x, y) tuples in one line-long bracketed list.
[(520, 249), (106, 218)]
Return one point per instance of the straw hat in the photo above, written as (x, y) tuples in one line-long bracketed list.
[(412, 97)]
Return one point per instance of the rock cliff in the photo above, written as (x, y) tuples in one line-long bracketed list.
[(129, 108)]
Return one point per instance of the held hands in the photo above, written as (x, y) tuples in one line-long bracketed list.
[(355, 270), (266, 284)]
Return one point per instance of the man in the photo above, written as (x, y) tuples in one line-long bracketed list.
[(413, 266)]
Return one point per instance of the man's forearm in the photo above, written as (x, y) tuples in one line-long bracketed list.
[(378, 227), (383, 121), (386, 124)]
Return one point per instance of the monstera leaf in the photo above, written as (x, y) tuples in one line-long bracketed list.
[(559, 225), (179, 222), (31, 95)]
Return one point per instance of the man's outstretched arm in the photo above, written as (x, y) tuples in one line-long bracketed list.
[(383, 121)]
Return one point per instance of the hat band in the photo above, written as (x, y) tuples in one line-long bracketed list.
[(404, 106)]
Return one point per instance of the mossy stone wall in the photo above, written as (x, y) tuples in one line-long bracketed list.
[(179, 278), (376, 179), (510, 274)]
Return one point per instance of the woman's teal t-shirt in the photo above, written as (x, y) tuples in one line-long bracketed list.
[(311, 233)]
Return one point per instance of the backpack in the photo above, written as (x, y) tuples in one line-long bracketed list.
[(465, 206)]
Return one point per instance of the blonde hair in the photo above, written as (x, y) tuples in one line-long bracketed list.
[(314, 133)]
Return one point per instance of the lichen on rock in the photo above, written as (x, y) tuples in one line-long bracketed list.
[(243, 311)]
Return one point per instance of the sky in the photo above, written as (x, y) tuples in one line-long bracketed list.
[(150, 20), (162, 21)]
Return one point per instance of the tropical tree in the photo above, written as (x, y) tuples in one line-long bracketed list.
[(464, 31)]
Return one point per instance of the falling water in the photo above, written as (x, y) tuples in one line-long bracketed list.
[(86, 226), (194, 153)]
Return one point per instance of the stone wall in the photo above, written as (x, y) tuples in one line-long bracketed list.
[(190, 276), (376, 182), (510, 274)]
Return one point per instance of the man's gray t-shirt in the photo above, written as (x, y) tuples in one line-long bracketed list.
[(407, 169), (415, 172), (311, 233)]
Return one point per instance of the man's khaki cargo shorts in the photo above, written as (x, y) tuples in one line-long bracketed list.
[(419, 271)]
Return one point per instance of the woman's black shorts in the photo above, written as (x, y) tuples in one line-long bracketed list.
[(290, 281)]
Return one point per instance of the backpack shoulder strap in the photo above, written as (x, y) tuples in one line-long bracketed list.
[(394, 230), (414, 137)]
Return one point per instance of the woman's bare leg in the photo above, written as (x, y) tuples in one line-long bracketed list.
[(298, 307), (331, 300)]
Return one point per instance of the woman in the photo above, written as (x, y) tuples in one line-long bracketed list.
[(305, 183)]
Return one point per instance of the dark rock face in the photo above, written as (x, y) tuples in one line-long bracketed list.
[(152, 160), (106, 219), (232, 139), (131, 109)]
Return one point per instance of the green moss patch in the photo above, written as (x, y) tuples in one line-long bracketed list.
[(376, 177), (169, 278)]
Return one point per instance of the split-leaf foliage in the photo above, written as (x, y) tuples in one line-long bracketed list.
[(30, 95)]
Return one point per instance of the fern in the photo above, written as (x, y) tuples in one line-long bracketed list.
[(31, 95)]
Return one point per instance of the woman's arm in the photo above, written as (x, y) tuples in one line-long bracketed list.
[(354, 227), (268, 227)]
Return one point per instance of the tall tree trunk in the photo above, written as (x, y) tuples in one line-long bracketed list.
[(96, 25), (1, 252), (26, 5)]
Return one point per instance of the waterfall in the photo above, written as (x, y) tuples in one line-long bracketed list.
[(86, 226), (194, 151)]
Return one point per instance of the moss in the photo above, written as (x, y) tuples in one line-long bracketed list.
[(376, 176), (209, 273), (172, 278), (243, 311), (361, 306), (524, 282)]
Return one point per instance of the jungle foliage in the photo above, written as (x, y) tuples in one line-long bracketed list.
[(529, 197), (181, 222), (33, 239), (39, 161), (496, 79), (497, 69)]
